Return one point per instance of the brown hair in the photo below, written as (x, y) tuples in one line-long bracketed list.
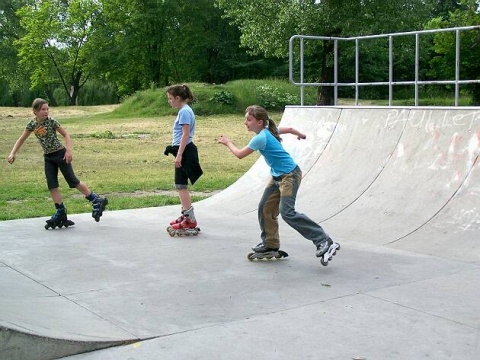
[(38, 103), (261, 114), (181, 90)]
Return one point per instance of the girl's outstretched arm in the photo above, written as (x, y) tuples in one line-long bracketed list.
[(291, 130), (239, 153), (17, 146)]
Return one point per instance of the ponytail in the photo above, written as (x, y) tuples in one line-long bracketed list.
[(272, 127), (181, 90)]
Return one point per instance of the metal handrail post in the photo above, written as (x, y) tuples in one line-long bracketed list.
[(390, 70), (457, 66), (357, 70), (302, 88), (335, 71), (417, 64)]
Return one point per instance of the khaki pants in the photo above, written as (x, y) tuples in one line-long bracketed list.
[(279, 198)]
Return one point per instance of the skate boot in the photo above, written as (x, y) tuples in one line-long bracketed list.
[(59, 219), (263, 252), (186, 227), (326, 250), (98, 205), (179, 219)]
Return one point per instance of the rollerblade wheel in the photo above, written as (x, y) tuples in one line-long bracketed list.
[(171, 231), (251, 256), (337, 249), (324, 263)]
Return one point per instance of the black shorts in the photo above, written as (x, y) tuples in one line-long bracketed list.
[(55, 161), (181, 178), (190, 169)]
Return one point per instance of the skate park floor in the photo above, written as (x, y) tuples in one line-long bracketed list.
[(398, 188)]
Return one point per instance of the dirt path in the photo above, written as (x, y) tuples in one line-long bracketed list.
[(61, 111), (161, 192)]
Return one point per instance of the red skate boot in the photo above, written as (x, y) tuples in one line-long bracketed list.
[(185, 227), (178, 220)]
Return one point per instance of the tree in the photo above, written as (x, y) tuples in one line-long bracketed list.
[(266, 26), (152, 43), (13, 77), (54, 47), (444, 7), (443, 62)]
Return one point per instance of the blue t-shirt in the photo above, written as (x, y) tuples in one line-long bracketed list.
[(276, 157), (185, 116)]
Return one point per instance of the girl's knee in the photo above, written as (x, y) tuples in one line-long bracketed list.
[(287, 214)]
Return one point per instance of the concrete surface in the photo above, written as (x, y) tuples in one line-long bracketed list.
[(399, 188)]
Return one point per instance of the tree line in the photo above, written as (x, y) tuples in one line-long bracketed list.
[(98, 51)]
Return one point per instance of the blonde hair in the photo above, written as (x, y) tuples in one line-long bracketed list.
[(261, 114)]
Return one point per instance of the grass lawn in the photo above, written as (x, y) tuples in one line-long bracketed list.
[(121, 158)]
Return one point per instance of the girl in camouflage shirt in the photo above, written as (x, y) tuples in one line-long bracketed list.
[(57, 157)]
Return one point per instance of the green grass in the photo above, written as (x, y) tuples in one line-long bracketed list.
[(128, 165), (230, 98)]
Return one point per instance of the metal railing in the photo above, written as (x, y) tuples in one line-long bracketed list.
[(356, 84)]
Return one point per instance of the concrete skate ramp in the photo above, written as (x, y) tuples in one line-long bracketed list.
[(383, 176), (405, 177), (399, 188)]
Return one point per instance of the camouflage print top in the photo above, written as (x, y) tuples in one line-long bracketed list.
[(46, 133)]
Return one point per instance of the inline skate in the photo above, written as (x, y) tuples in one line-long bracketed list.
[(59, 219), (185, 225), (261, 252), (99, 205), (178, 220), (326, 250)]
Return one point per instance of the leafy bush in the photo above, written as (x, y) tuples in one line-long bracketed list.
[(272, 98), (223, 97), (107, 134)]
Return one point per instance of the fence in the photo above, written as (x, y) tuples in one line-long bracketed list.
[(356, 84)]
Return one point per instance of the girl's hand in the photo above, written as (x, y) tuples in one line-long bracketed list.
[(11, 158), (223, 140), (301, 136), (68, 156), (178, 161)]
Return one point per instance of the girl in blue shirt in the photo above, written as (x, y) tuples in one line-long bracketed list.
[(187, 165), (281, 191)]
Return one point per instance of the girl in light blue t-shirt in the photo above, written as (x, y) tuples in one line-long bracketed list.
[(280, 194), (187, 164)]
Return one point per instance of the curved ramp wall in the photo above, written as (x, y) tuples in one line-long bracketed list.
[(405, 177)]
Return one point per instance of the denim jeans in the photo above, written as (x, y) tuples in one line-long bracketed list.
[(279, 198)]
